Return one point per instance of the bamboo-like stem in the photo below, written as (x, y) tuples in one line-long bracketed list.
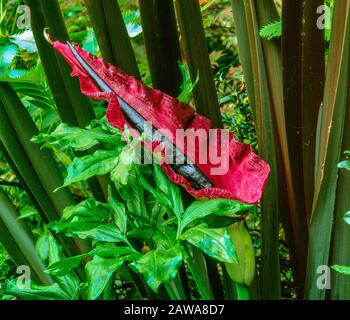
[(341, 232), (197, 56), (197, 267), (330, 145), (35, 166), (162, 44), (73, 107), (112, 36), (19, 242), (251, 49)]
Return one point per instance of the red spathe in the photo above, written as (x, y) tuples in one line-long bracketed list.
[(246, 174)]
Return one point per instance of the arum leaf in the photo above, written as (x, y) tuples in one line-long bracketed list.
[(90, 209), (169, 189), (126, 161), (216, 243), (42, 246), (97, 164), (119, 212), (220, 207), (64, 266), (159, 266), (82, 139), (99, 272), (36, 292), (93, 231), (164, 237)]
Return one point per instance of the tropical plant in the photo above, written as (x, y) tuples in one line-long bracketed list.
[(107, 227)]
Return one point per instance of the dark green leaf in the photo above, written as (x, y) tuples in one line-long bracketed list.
[(159, 266), (220, 207), (169, 189), (97, 164), (93, 231), (99, 271), (214, 242), (119, 212), (89, 209), (36, 292)]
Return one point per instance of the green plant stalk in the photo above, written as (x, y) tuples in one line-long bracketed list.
[(333, 113), (49, 60), (42, 161), (341, 231), (242, 292), (175, 290), (19, 242), (72, 106), (112, 36), (250, 45), (214, 278), (301, 71), (197, 267), (229, 286), (197, 57), (20, 178), (80, 104), (162, 44), (37, 167), (292, 202)]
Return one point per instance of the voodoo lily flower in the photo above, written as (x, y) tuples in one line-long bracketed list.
[(209, 163)]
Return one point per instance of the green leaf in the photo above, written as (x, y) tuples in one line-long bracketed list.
[(219, 207), (159, 266), (344, 165), (83, 139), (42, 246), (169, 189), (36, 292), (93, 231), (187, 86), (97, 164), (216, 243), (99, 272), (119, 212), (164, 237), (64, 266), (160, 197), (90, 209), (342, 269), (127, 158), (68, 283)]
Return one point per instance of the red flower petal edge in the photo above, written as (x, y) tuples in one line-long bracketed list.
[(245, 175)]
